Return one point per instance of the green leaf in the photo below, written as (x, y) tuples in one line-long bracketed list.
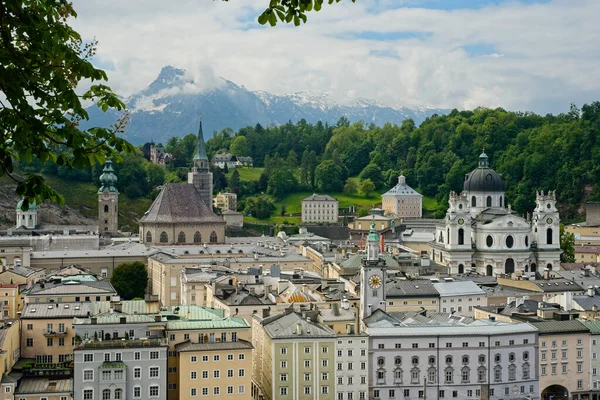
[(272, 19), (263, 18)]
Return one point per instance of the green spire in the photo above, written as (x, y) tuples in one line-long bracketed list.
[(483, 160), (200, 159), (373, 235), (108, 179)]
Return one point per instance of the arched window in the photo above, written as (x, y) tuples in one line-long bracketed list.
[(509, 266), (473, 202), (512, 372), (489, 270), (488, 201), (118, 394), (500, 201), (431, 375), (380, 361), (398, 361), (497, 373), (526, 371), (441, 239), (533, 267), (181, 237), (105, 208), (197, 237), (398, 375), (461, 269), (461, 236), (465, 359), (489, 241), (148, 237), (549, 236), (213, 237), (106, 394), (465, 375), (448, 359), (448, 375), (481, 374), (415, 360), (510, 241), (164, 238)]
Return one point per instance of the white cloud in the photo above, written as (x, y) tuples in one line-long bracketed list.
[(544, 55)]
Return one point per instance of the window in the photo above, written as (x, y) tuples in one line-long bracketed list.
[(284, 350), (466, 375), (306, 350), (325, 363), (241, 372), (88, 394), (392, 393), (415, 345), (497, 373), (204, 391), (481, 374), (230, 390), (241, 389), (193, 375), (137, 373), (241, 356), (512, 372), (283, 377), (216, 357), (88, 375), (118, 394), (88, 357), (283, 391), (137, 392), (194, 359), (106, 394), (465, 344), (306, 364), (29, 342), (204, 374), (216, 390), (106, 375), (324, 389), (154, 355), (324, 349), (449, 375), (216, 374), (193, 392), (153, 391), (153, 372), (306, 389)]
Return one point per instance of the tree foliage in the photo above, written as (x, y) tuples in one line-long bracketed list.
[(259, 206), (130, 280), (567, 245), (42, 61), (239, 146), (367, 187), (329, 177)]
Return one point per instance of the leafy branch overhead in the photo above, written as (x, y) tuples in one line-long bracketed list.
[(290, 10), (42, 62)]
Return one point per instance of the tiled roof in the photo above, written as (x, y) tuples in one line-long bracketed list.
[(179, 202), (44, 385), (216, 346), (570, 326), (294, 295), (578, 265), (319, 197)]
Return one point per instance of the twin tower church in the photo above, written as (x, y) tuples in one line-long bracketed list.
[(181, 213)]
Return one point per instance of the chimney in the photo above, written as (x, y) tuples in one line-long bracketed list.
[(350, 329), (492, 318), (298, 328), (157, 318), (266, 312), (94, 320), (336, 309), (345, 304), (590, 291), (546, 274), (122, 320)]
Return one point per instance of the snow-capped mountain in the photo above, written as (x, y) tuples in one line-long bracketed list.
[(170, 106)]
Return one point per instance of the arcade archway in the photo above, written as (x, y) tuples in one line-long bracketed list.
[(555, 392)]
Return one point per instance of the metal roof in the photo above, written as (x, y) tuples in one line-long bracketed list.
[(216, 346), (593, 326), (570, 326), (558, 285), (410, 288), (73, 287), (587, 302), (458, 288), (44, 385), (56, 310), (329, 315), (224, 323), (402, 189), (292, 325), (319, 197)]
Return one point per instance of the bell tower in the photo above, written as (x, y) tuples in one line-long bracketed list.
[(372, 273), (108, 200), (200, 176)]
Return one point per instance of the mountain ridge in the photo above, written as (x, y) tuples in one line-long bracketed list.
[(170, 105)]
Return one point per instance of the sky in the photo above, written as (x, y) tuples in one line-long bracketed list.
[(538, 56)]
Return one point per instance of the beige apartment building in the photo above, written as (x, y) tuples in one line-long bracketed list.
[(320, 208), (44, 388), (225, 201), (294, 357), (402, 200), (57, 291), (10, 351), (564, 359), (21, 275), (47, 330), (11, 300)]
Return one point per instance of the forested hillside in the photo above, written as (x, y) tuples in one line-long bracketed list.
[(532, 153)]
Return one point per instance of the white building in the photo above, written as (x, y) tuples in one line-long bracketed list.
[(459, 297), (440, 356), (27, 218), (319, 208), (352, 367), (480, 234), (403, 200)]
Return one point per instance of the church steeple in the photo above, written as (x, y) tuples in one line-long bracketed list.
[(484, 161), (373, 243), (200, 159), (108, 200)]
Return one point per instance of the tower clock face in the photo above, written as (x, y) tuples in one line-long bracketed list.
[(461, 221), (549, 220), (375, 282)]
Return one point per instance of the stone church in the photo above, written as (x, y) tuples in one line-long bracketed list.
[(481, 234), (182, 212)]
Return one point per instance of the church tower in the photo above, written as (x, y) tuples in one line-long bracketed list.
[(546, 229), (372, 274), (200, 176), (27, 219), (108, 200), (458, 232)]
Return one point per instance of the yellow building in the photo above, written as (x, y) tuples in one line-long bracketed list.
[(22, 276), (587, 254), (225, 201), (45, 388), (411, 295), (206, 333), (59, 291), (47, 330), (11, 300), (10, 352), (293, 356)]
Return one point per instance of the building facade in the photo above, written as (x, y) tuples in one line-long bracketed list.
[(402, 200), (225, 201), (320, 208), (480, 234)]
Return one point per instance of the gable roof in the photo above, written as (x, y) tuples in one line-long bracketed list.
[(291, 325), (180, 202), (319, 197)]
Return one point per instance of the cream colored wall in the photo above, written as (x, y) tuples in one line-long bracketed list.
[(320, 211), (40, 346), (503, 300), (173, 230), (585, 257), (398, 304), (568, 380), (41, 299), (483, 314), (11, 348), (49, 396), (11, 302), (185, 368)]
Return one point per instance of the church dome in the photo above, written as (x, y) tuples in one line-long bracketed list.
[(483, 178), (32, 206), (108, 179)]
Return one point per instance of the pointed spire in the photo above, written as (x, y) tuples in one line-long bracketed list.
[(200, 159), (373, 235), (108, 179)]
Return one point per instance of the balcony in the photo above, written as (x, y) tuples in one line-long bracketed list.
[(53, 333), (113, 344)]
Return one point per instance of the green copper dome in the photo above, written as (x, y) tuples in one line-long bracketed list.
[(373, 235), (108, 179), (32, 206)]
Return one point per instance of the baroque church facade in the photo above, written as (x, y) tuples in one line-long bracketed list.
[(182, 212), (481, 234)]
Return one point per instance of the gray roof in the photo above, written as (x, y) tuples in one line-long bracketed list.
[(501, 290), (558, 285), (56, 310), (66, 287), (319, 197), (354, 261), (239, 345), (416, 288), (402, 189), (570, 326), (286, 326), (243, 297), (179, 202), (23, 271), (458, 288), (587, 302), (483, 178), (329, 315), (44, 385)]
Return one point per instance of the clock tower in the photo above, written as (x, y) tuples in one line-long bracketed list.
[(372, 273), (546, 230)]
